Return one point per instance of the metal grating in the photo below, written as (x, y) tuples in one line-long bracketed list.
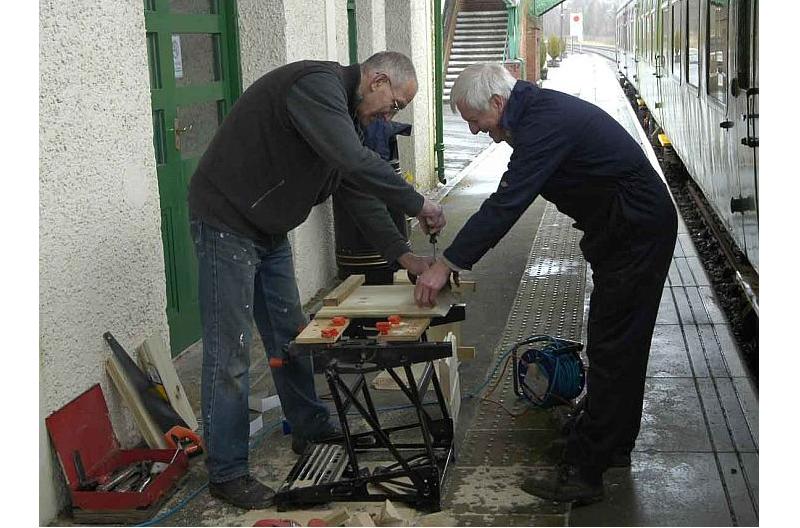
[(549, 301)]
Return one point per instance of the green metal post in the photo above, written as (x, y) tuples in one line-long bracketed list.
[(438, 88), (352, 31)]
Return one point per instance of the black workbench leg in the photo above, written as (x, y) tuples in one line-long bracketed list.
[(370, 405), (384, 439), (423, 418), (333, 377)]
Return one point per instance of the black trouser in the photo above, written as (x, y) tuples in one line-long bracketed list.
[(628, 273)]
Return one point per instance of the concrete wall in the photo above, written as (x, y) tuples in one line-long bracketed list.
[(371, 23), (101, 264), (101, 258), (409, 31), (272, 34)]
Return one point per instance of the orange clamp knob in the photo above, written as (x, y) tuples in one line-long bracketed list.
[(394, 319), (339, 320), (275, 362), (329, 332), (383, 327)]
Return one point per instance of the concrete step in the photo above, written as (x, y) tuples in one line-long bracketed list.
[(479, 38), (466, 63), (470, 14), (481, 24), (477, 51), (455, 61), (470, 44), (462, 17), (491, 31)]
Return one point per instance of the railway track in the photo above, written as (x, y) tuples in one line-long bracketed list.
[(607, 52)]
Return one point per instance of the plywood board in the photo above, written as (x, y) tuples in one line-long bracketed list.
[(313, 332), (382, 301), (156, 361), (384, 381), (147, 426), (409, 329)]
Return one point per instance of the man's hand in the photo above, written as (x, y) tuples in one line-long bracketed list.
[(415, 264), (430, 283), (431, 217)]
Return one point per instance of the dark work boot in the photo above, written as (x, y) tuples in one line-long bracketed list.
[(566, 483), (244, 492), (620, 459)]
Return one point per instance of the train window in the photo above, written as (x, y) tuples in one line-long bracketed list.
[(717, 48), (666, 32), (743, 45), (693, 41), (677, 39)]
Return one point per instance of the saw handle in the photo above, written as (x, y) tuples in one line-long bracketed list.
[(180, 437)]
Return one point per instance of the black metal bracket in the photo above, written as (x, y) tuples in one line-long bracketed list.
[(334, 471)]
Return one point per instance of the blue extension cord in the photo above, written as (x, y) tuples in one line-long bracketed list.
[(269, 428)]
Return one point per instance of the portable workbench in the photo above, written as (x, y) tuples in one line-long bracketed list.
[(364, 330)]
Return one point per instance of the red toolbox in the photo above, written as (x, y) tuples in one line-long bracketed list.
[(83, 427)]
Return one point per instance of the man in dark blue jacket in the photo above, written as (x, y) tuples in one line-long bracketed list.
[(578, 157)]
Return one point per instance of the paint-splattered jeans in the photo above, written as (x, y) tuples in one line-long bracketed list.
[(241, 280)]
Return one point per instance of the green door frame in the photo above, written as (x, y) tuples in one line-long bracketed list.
[(173, 172)]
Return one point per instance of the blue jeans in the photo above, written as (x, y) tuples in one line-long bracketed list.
[(241, 280)]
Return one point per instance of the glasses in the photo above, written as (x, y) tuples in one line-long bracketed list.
[(396, 107)]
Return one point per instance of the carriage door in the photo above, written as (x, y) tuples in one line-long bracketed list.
[(744, 89), (193, 57)]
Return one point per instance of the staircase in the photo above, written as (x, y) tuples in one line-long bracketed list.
[(480, 36)]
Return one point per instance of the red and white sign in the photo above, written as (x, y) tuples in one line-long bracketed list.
[(576, 25)]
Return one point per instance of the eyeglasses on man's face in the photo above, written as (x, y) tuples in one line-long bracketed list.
[(396, 106)]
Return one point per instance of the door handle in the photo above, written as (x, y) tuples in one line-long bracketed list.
[(180, 130), (726, 125)]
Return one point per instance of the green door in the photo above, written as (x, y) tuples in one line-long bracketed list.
[(194, 79)]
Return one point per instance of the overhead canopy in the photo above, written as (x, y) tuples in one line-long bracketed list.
[(540, 7)]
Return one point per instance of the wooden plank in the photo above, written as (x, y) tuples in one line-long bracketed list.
[(465, 353), (313, 332), (156, 361), (384, 381), (150, 431), (340, 293), (409, 329), (382, 301)]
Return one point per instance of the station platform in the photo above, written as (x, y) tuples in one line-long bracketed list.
[(696, 459)]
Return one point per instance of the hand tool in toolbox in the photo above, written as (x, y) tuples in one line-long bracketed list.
[(108, 484), (176, 430)]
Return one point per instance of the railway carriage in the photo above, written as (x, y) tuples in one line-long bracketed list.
[(695, 65)]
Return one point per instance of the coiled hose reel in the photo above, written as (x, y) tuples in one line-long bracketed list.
[(549, 371)]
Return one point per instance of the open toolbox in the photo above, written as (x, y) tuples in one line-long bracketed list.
[(85, 443)]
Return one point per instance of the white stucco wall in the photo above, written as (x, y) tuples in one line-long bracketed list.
[(101, 264), (101, 258), (371, 23), (409, 31)]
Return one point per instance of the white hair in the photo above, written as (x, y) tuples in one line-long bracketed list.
[(478, 83), (397, 66)]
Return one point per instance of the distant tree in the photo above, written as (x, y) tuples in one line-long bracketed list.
[(554, 46)]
